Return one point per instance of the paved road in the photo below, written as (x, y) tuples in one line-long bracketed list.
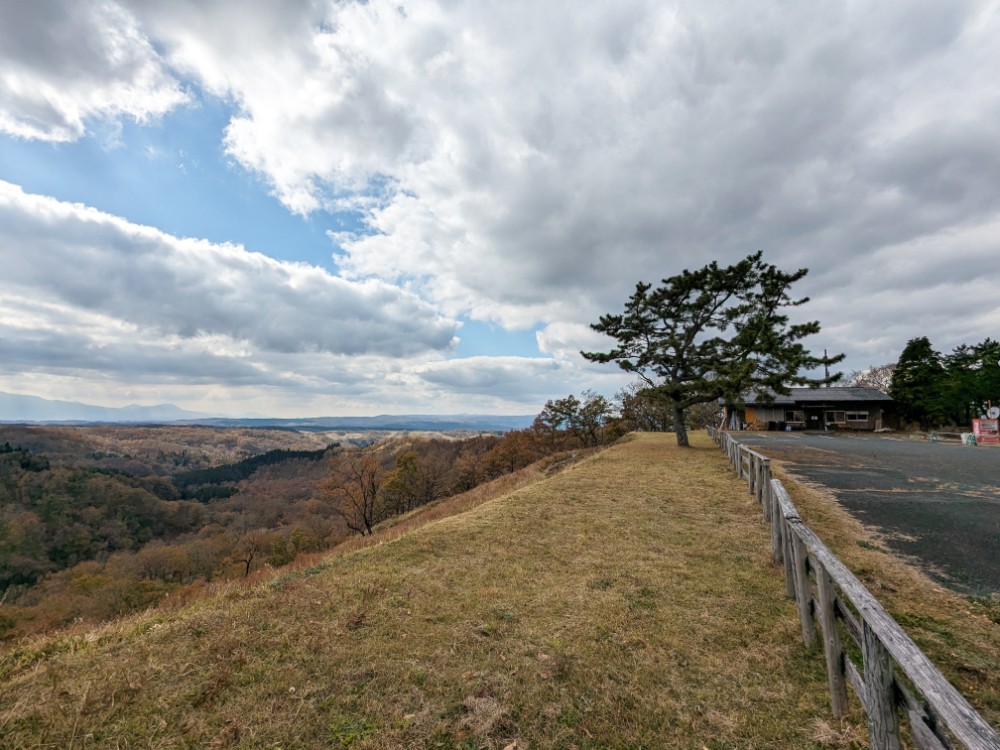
[(938, 503)]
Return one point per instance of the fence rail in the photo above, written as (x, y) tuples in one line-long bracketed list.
[(888, 673)]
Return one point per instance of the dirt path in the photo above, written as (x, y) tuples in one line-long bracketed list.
[(937, 503)]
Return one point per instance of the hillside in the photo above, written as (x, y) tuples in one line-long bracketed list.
[(155, 450), (626, 602)]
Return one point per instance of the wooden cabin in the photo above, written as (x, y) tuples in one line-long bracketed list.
[(837, 408)]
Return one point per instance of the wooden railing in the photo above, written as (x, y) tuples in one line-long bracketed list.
[(889, 674)]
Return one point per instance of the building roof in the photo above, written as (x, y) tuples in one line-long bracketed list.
[(836, 394)]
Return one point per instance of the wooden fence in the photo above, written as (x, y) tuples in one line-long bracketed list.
[(891, 676)]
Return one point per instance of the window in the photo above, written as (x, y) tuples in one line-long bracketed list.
[(836, 417), (857, 416), (795, 416)]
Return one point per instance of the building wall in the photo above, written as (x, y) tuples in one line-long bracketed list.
[(861, 416), (858, 416)]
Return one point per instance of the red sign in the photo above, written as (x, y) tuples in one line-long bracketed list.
[(986, 430)]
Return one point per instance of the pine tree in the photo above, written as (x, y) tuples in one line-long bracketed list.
[(972, 380), (713, 333), (919, 384)]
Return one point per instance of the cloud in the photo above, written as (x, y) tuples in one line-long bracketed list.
[(92, 304), (525, 380), (566, 340), (80, 259), (530, 162), (64, 63)]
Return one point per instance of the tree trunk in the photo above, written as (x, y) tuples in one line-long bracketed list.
[(682, 436)]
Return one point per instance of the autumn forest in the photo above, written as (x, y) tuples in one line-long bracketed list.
[(100, 521)]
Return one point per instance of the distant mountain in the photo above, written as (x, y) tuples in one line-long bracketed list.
[(473, 422), (16, 408)]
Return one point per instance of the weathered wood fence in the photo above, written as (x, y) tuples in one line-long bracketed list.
[(894, 678)]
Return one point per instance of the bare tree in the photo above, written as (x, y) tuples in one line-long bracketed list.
[(704, 415), (248, 544), (874, 376), (640, 409), (355, 490)]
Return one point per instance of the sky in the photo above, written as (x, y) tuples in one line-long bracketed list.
[(314, 207)]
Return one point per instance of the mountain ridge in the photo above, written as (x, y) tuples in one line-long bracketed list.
[(22, 408), (17, 408)]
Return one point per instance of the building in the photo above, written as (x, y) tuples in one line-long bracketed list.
[(839, 408)]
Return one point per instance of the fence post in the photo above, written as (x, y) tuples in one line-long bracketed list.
[(833, 650), (803, 591), (765, 487), (775, 525), (788, 556), (883, 721)]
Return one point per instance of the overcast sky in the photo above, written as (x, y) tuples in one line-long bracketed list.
[(318, 208)]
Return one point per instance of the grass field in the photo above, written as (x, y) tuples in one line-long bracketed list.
[(626, 602)]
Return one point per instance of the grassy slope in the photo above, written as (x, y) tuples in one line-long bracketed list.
[(628, 602)]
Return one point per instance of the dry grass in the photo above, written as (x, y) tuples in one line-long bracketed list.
[(627, 602)]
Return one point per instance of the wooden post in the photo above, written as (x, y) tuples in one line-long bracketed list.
[(775, 526), (765, 487), (883, 721), (758, 490), (803, 591), (833, 650), (788, 557)]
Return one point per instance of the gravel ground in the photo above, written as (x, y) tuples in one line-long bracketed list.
[(936, 503)]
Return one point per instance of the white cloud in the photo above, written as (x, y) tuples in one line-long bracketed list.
[(529, 162), (92, 304), (88, 295), (82, 259), (567, 340), (64, 63), (525, 380)]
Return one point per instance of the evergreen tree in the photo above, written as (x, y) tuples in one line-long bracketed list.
[(919, 384), (713, 333), (972, 380)]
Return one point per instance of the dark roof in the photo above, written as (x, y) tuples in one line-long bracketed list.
[(821, 395)]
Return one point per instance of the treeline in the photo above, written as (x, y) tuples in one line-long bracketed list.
[(204, 484), (160, 450), (931, 389)]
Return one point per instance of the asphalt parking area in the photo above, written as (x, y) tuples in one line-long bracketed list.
[(936, 503)]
